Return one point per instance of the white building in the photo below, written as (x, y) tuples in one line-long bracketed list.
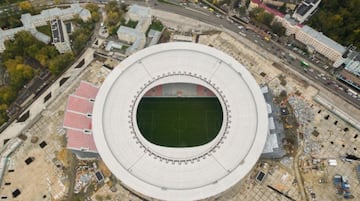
[(352, 63), (30, 22), (131, 36), (320, 43), (137, 12), (314, 40), (305, 10), (135, 36)]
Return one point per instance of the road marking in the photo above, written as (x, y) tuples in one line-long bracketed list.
[(197, 11)]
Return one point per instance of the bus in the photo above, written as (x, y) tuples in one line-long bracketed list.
[(303, 63), (352, 92)]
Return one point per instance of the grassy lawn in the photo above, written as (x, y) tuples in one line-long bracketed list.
[(157, 25), (179, 122), (131, 24), (45, 29)]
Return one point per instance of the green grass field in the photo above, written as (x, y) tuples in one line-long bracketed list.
[(179, 122)]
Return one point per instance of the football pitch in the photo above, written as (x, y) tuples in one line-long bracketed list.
[(179, 122)]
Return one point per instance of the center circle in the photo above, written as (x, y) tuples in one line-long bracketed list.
[(179, 115)]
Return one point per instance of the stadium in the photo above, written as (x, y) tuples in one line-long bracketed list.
[(179, 121)]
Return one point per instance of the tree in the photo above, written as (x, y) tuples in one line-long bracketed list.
[(265, 18), (19, 72), (7, 95), (45, 54), (94, 10), (25, 5), (113, 18), (3, 114), (260, 16), (114, 15), (338, 20), (79, 40), (247, 3), (24, 44), (59, 63), (242, 10), (255, 12), (278, 28), (283, 8)]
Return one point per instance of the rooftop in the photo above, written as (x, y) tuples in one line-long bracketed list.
[(180, 173), (323, 39), (141, 11), (303, 9), (31, 21)]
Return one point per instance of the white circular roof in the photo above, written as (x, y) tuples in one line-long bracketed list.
[(188, 173)]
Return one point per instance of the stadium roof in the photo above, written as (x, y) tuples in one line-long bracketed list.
[(190, 173)]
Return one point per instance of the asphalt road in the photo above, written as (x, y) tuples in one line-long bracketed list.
[(313, 72), (201, 13)]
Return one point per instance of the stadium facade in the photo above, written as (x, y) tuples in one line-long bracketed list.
[(189, 173)]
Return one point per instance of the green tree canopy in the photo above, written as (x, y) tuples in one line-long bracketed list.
[(114, 15), (7, 95), (59, 63), (278, 28), (338, 20), (261, 16), (19, 72), (94, 10), (3, 114)]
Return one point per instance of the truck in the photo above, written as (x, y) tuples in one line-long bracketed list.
[(337, 183), (342, 186), (346, 187)]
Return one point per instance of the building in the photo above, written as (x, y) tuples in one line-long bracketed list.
[(352, 63), (305, 10), (182, 38), (320, 43), (190, 173), (60, 38), (111, 45), (154, 37), (289, 3), (77, 121), (314, 40), (273, 146), (30, 22), (135, 36), (140, 14)]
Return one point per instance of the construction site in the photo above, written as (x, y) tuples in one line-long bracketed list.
[(320, 147)]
